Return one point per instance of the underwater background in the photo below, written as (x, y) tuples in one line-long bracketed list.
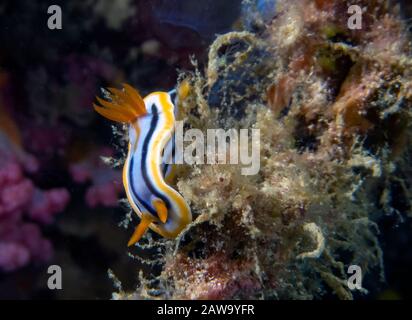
[(333, 106)]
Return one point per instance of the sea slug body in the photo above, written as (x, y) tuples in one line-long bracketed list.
[(145, 173)]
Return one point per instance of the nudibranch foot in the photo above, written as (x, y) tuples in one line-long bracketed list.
[(161, 210), (139, 231)]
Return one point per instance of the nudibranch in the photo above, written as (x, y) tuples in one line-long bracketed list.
[(151, 123)]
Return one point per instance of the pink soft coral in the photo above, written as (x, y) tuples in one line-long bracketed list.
[(106, 183), (22, 206)]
